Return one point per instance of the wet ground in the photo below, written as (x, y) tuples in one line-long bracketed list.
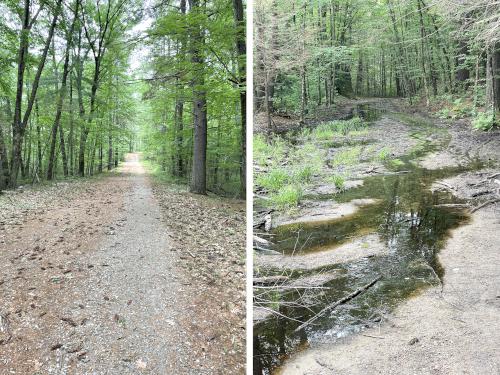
[(409, 218)]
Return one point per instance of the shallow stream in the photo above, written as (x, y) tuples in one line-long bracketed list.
[(409, 223)]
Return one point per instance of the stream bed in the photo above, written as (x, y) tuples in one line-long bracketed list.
[(412, 224)]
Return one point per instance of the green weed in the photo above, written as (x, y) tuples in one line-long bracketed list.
[(384, 154), (338, 181), (269, 152), (287, 197), (273, 180), (347, 157)]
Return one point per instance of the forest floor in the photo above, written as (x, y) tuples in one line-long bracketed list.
[(447, 329), (119, 275)]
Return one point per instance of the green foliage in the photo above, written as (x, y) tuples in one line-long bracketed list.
[(350, 156), (384, 154), (273, 180), (484, 121), (396, 163), (269, 152), (287, 197), (338, 181), (331, 129)]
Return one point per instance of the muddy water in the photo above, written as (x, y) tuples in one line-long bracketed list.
[(411, 226)]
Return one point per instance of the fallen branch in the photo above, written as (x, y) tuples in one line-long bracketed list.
[(339, 302), (480, 192), (484, 205), (269, 280), (453, 205), (449, 187), (373, 337)]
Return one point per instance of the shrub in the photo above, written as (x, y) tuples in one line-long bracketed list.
[(384, 154), (287, 197), (484, 121), (338, 181), (273, 180)]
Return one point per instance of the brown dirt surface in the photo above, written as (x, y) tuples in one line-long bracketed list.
[(209, 237), (91, 281)]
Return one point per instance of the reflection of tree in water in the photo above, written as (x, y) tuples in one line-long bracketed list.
[(407, 219)]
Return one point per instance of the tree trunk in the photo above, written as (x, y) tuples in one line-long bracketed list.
[(493, 77), (241, 49), (199, 172), (60, 101), (19, 126), (4, 162)]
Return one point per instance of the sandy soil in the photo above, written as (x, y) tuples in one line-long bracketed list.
[(361, 247), (91, 282), (319, 211)]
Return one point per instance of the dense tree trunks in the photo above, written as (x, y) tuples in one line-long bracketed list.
[(462, 73), (59, 106), (178, 157), (199, 173), (19, 127), (422, 52), (21, 66)]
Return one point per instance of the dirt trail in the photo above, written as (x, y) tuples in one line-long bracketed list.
[(89, 284)]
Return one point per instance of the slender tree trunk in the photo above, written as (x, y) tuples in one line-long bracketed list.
[(199, 172), (241, 49), (60, 101), (71, 129), (4, 162)]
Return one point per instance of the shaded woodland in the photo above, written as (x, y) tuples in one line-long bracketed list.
[(307, 53), (72, 101)]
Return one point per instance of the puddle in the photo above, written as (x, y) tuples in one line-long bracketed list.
[(413, 229), (366, 112)]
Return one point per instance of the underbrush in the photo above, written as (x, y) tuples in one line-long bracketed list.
[(465, 107), (485, 121), (288, 169), (284, 170), (332, 129)]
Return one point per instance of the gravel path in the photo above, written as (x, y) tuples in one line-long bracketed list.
[(88, 284)]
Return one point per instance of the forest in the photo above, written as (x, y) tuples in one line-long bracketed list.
[(84, 82), (427, 51), (376, 149)]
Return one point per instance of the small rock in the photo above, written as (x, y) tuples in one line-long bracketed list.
[(55, 346), (413, 341)]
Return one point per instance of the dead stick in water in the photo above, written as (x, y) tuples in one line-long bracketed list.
[(339, 302)]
